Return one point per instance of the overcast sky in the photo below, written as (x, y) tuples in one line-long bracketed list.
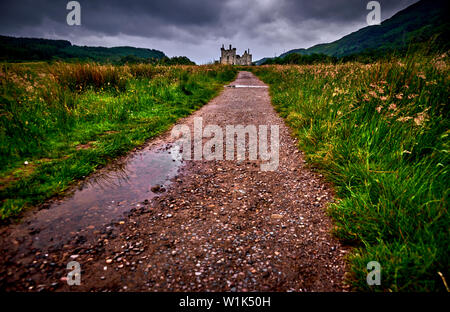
[(194, 28)]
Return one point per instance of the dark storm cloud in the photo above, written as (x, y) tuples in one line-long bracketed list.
[(150, 18), (339, 11), (194, 27), (308, 22), (112, 17)]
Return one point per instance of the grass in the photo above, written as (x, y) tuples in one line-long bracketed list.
[(60, 122), (380, 133)]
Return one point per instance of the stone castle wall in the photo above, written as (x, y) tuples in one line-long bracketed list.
[(229, 57)]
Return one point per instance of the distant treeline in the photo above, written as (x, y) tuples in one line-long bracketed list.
[(176, 60), (33, 49), (366, 57), (300, 59)]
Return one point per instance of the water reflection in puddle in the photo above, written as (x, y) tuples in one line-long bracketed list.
[(105, 196), (246, 86)]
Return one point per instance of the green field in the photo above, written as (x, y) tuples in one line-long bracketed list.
[(59, 122), (380, 134)]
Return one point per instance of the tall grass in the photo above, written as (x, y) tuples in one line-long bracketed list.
[(59, 122), (380, 133), (79, 77)]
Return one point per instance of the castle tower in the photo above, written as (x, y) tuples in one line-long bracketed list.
[(228, 57)]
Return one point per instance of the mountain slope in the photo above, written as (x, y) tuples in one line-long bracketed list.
[(30, 49), (417, 23)]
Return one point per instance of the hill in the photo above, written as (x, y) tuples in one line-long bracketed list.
[(32, 49), (417, 23)]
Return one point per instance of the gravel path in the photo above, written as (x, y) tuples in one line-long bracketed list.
[(220, 226)]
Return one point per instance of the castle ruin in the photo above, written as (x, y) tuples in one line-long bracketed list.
[(231, 58)]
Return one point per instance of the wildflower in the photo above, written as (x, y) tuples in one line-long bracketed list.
[(378, 109), (392, 106), (399, 96), (421, 118), (420, 75), (383, 98), (440, 65), (403, 119)]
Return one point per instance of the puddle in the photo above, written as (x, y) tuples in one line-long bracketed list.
[(246, 86), (105, 196)]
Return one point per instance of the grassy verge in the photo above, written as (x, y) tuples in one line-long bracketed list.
[(379, 132), (59, 122)]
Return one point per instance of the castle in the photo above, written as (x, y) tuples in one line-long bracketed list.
[(230, 57)]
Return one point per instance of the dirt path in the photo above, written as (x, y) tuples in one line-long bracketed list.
[(220, 226)]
